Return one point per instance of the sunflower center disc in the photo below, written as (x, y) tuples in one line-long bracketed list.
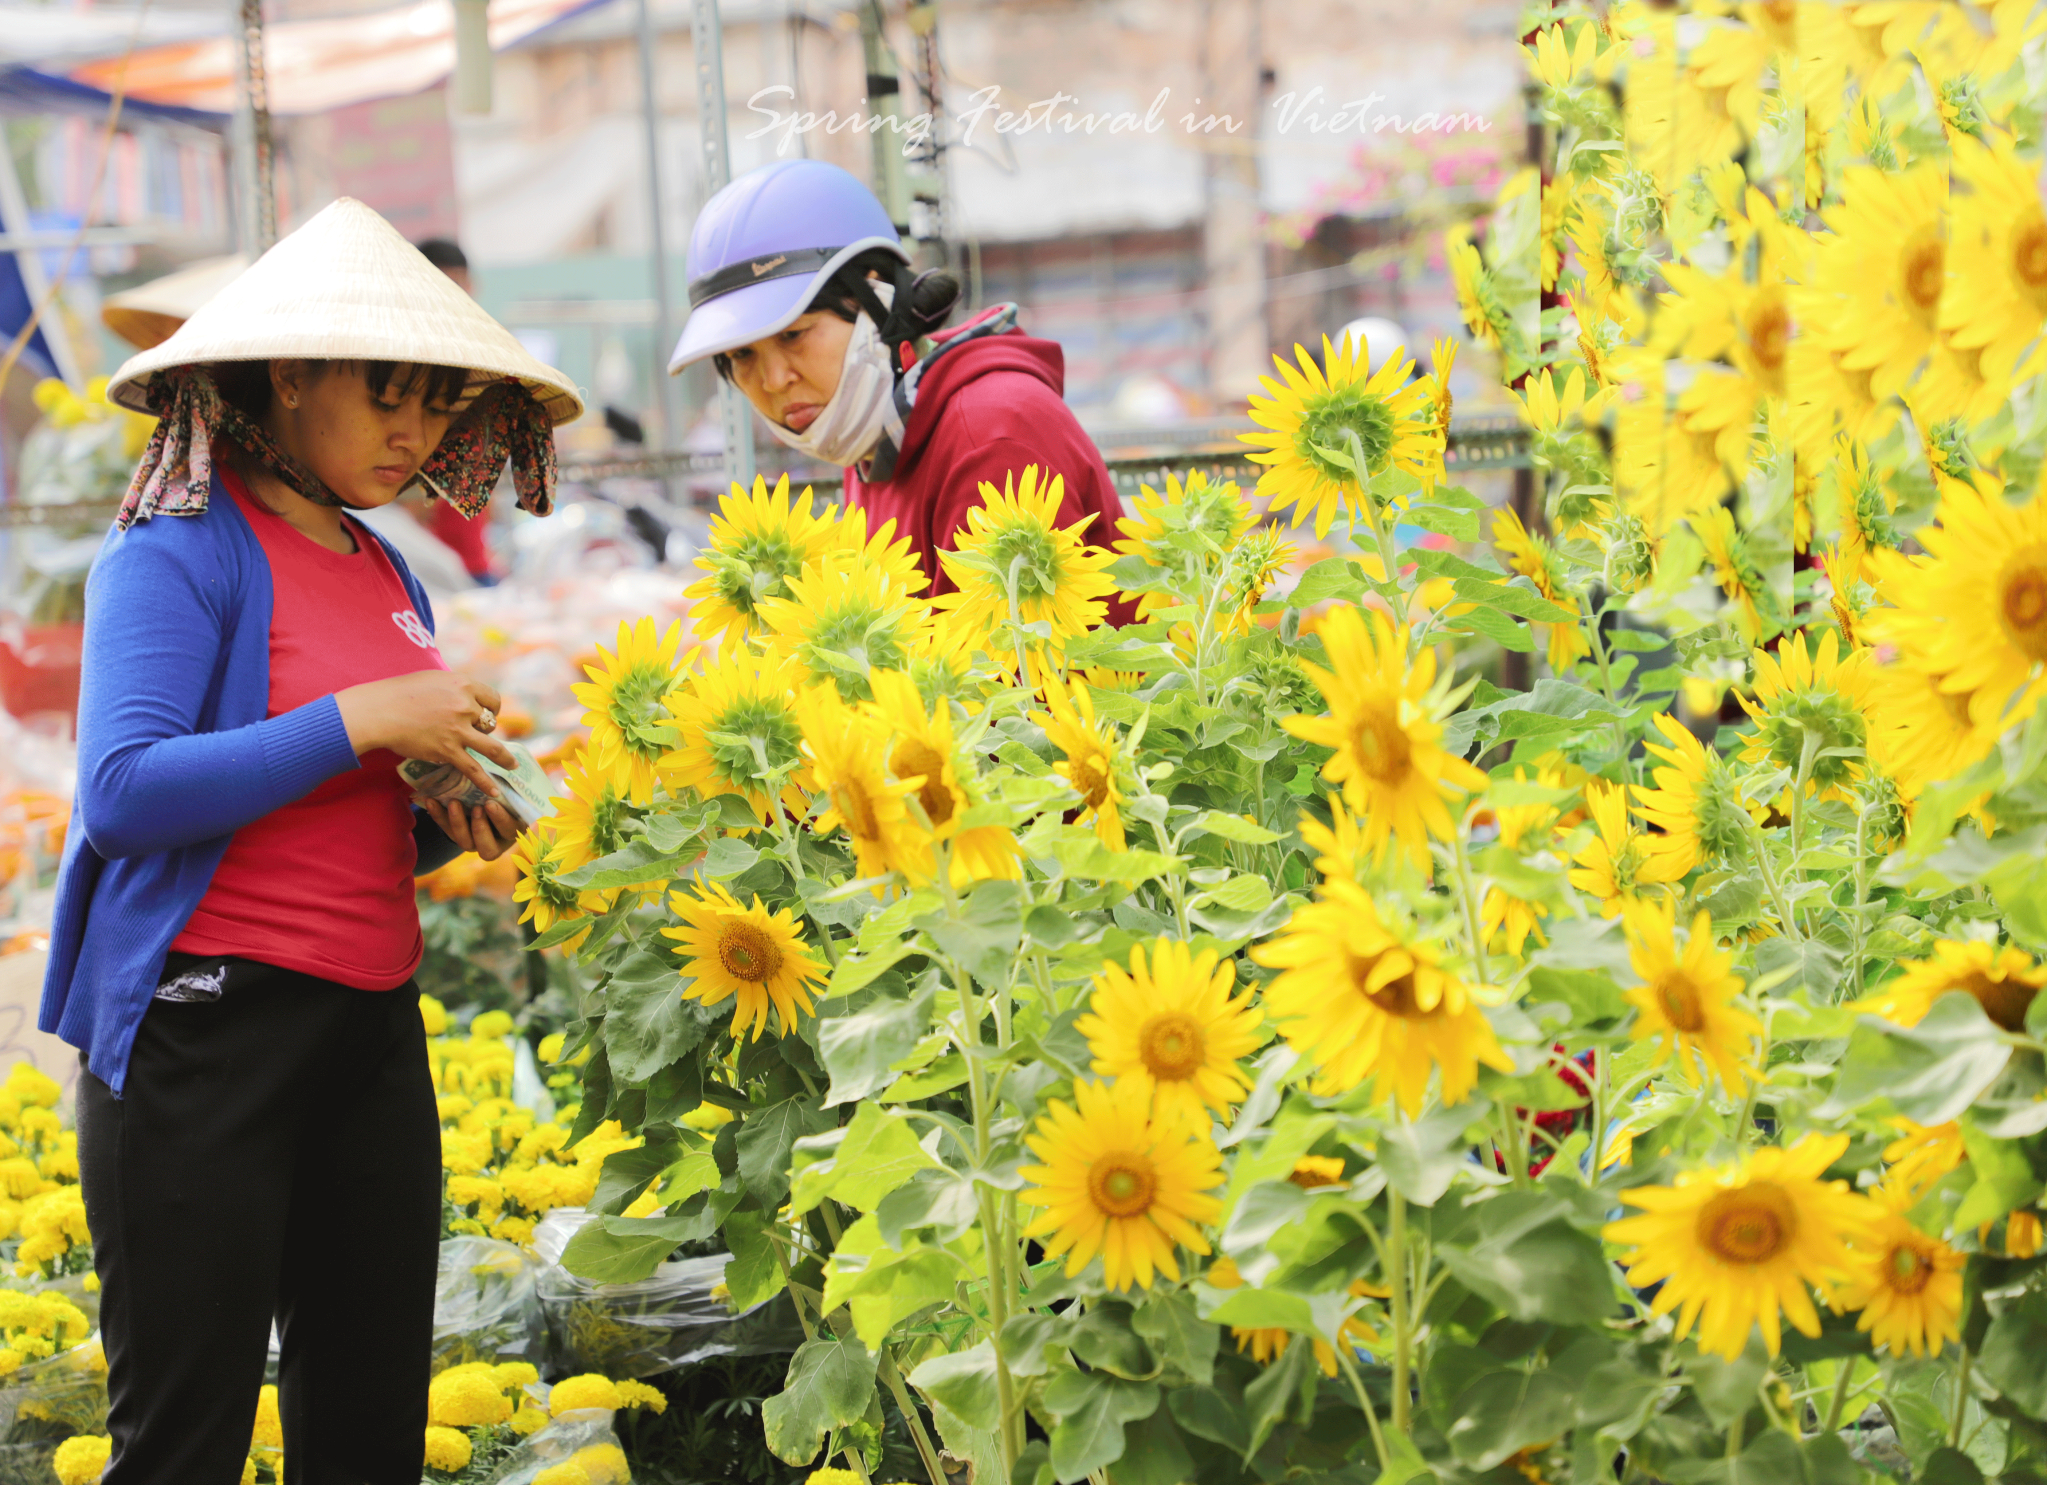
[(1121, 1183), (1769, 336), (2029, 259), (1172, 1046), (2023, 601), (1382, 746), (1751, 1225), (747, 953), (1679, 997), (1091, 779), (2004, 1000), (1909, 1270), (1328, 420), (1397, 997), (1923, 273), (915, 758)]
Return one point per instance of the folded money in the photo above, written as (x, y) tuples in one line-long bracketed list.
[(524, 791)]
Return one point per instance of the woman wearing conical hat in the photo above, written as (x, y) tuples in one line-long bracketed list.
[(235, 934)]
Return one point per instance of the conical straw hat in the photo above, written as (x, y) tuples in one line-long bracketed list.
[(346, 286), (149, 314)]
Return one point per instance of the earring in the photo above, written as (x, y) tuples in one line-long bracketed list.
[(291, 402)]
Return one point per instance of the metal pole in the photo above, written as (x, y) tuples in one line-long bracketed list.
[(734, 412), (670, 421), (36, 283), (257, 170)]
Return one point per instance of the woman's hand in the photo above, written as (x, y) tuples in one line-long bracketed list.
[(488, 831), (431, 715)]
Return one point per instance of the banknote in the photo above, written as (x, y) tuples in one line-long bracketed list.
[(524, 791)]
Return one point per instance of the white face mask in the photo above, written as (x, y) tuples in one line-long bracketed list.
[(852, 423)]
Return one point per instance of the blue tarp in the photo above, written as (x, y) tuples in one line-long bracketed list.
[(14, 312), (23, 90)]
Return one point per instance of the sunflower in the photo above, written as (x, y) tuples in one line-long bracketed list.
[(1811, 696), (1829, 400), (1920, 734), (1199, 519), (1740, 1245), (845, 616), (1478, 297), (1119, 1183), (1688, 999), (1908, 1287), (736, 732), (753, 954), (1864, 503), (1758, 611), (541, 863), (1266, 1344), (626, 706), (1876, 282), (884, 549), (1314, 1172), (590, 818), (1093, 765), (1696, 806), (1918, 1160), (1442, 360), (1665, 469), (758, 542), (1013, 535), (1973, 610), (922, 749), (1389, 759), (849, 750), (1998, 301), (1358, 1000), (2003, 981), (1520, 826), (1536, 560), (1170, 1027), (1317, 410), (1341, 846)]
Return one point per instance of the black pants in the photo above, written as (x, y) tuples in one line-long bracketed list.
[(276, 1153)]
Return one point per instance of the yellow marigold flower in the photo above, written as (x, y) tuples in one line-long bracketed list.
[(1688, 1000), (464, 1399), (463, 1153), (1013, 535), (10, 1363), (19, 1177), (489, 1025), (1740, 1245), (515, 1374), (1908, 1287), (849, 755), (1319, 407), (831, 1476), (447, 1449), (626, 705), (248, 1470), (33, 1086), (1118, 1183), (1171, 1028), (1093, 765), (550, 1049), (707, 1118), (529, 1420), (1358, 1001), (588, 1390), (1389, 757), (513, 1230), (2002, 980), (602, 1464), (476, 1191), (752, 954), (269, 1430), (632, 1394), (568, 1472), (83, 1459)]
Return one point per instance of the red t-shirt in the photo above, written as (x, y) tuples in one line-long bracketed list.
[(324, 885)]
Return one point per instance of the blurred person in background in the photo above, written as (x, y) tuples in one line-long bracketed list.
[(823, 340), (235, 928)]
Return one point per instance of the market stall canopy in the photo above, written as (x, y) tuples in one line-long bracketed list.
[(150, 313), (317, 65), (46, 37)]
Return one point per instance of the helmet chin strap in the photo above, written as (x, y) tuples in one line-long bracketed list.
[(892, 321)]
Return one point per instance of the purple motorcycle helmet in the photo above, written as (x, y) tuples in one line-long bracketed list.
[(764, 245)]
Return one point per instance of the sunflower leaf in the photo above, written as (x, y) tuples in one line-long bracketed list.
[(829, 1382), (859, 1047), (1929, 1073), (877, 1153)]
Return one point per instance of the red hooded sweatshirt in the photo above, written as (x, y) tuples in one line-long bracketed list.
[(984, 411)]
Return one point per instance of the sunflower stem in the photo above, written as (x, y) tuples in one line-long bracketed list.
[(1023, 659), (1839, 1399), (1761, 849), (892, 1379), (1467, 882), (1622, 754), (1396, 1279), (1357, 1385), (1954, 1432), (1807, 756), (1851, 982)]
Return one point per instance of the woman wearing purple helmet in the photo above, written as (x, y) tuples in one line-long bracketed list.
[(803, 298)]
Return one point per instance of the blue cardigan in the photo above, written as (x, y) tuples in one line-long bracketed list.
[(175, 754)]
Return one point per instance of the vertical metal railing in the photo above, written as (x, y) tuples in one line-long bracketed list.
[(734, 414)]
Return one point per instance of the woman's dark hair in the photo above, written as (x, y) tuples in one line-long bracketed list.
[(246, 384), (933, 294)]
